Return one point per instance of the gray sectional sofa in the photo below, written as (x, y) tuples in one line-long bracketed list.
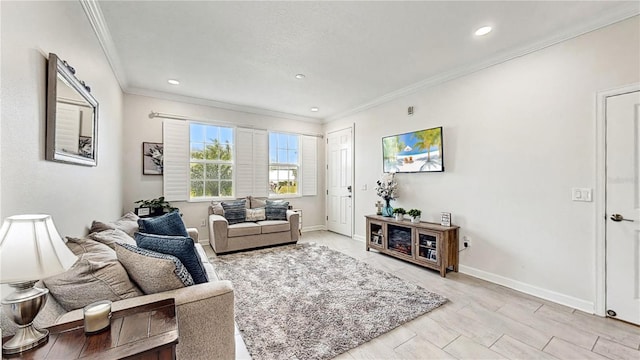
[(205, 311)]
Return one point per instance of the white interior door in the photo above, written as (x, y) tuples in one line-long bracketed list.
[(339, 182), (623, 206)]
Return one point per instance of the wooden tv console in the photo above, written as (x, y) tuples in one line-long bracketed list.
[(426, 244)]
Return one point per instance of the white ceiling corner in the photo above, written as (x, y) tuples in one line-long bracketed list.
[(101, 29), (243, 56)]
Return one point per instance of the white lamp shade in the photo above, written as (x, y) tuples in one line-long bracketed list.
[(32, 249)]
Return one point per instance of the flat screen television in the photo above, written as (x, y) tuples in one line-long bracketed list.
[(417, 151)]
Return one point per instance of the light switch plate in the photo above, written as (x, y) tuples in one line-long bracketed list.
[(581, 194)]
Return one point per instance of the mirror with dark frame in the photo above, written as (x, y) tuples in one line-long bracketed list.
[(72, 116)]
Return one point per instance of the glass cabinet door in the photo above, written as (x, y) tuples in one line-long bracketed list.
[(428, 246), (399, 239), (375, 235)]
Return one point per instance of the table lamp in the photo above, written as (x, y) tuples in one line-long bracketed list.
[(30, 249)]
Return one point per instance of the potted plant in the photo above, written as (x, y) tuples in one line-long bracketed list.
[(156, 207), (399, 213), (415, 215)]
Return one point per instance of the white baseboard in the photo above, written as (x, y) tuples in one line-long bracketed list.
[(314, 228), (546, 294), (359, 238)]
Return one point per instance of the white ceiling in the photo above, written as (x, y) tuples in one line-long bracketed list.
[(244, 55)]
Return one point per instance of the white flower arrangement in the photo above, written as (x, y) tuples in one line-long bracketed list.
[(387, 187)]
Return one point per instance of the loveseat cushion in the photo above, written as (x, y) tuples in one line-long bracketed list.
[(273, 226), (168, 224), (243, 229), (234, 211), (179, 246), (127, 223), (257, 202), (152, 271), (112, 237), (97, 275)]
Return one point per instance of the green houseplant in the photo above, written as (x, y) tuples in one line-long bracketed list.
[(415, 215), (156, 207), (399, 213)]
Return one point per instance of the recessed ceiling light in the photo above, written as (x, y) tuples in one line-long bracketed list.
[(300, 76), (315, 109), (483, 31), (173, 82)]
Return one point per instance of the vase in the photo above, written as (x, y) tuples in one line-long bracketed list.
[(387, 210), (415, 219), (399, 217)]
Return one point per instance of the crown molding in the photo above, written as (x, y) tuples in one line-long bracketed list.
[(101, 29), (220, 105), (94, 14), (621, 13)]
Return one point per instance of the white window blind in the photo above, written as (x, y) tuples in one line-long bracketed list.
[(252, 176), (260, 163), (175, 136), (309, 165)]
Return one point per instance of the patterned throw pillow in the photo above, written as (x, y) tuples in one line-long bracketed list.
[(257, 214), (152, 271), (277, 209), (234, 211), (178, 246), (167, 224)]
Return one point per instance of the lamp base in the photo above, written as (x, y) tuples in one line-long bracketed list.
[(26, 338), (22, 306)]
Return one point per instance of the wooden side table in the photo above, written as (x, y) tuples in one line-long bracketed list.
[(147, 331)]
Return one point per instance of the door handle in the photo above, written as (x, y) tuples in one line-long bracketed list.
[(618, 218), (349, 188)]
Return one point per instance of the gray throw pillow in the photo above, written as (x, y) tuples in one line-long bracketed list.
[(277, 209), (97, 275), (127, 223), (112, 237), (234, 211), (152, 271)]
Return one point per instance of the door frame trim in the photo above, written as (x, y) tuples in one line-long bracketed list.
[(600, 301), (352, 127)]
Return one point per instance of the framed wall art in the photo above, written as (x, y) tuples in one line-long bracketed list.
[(152, 158)]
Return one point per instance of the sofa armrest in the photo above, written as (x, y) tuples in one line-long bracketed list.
[(218, 233), (294, 222), (193, 233), (205, 318)]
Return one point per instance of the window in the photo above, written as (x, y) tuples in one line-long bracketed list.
[(283, 164), (211, 161)]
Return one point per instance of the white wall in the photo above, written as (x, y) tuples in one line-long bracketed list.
[(517, 137), (73, 195), (140, 128)]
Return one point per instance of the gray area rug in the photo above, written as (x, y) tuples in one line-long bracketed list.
[(310, 302)]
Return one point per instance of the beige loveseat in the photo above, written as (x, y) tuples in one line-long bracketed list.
[(205, 314), (249, 234)]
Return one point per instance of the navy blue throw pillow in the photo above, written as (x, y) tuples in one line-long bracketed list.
[(276, 209), (167, 224), (179, 246), (235, 211)]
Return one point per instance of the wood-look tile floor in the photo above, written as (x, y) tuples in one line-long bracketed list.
[(482, 320)]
